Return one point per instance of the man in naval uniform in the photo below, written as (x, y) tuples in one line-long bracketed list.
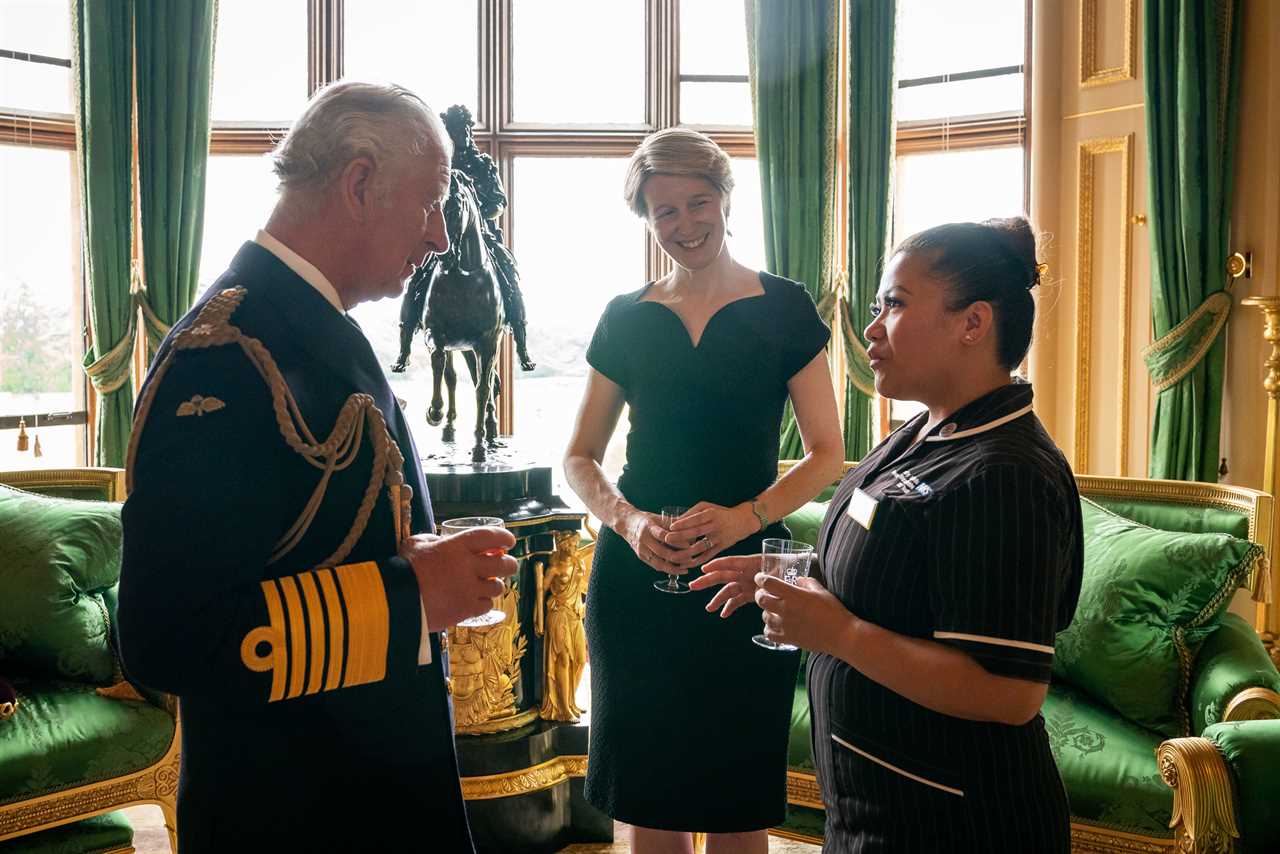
[(279, 575)]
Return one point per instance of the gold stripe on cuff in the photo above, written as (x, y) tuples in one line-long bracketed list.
[(315, 622), (297, 636), (368, 621), (337, 629)]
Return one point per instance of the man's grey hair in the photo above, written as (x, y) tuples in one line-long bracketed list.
[(345, 120)]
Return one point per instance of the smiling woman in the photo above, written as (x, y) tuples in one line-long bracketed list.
[(705, 359)]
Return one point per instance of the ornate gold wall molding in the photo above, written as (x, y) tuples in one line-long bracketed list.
[(1090, 150), (1090, 73)]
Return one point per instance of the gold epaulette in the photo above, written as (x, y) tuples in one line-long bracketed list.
[(316, 639)]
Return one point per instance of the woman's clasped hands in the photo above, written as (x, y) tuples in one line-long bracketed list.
[(650, 539), (805, 614), (698, 535)]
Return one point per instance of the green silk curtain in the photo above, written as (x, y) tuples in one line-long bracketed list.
[(174, 50), (871, 135), (1192, 70), (792, 49), (103, 68), (175, 70)]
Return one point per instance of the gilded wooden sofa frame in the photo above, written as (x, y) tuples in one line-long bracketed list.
[(1203, 802), (155, 784)]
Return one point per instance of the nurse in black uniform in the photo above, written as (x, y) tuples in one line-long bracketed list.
[(949, 560)]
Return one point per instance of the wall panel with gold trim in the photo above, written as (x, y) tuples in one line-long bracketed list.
[(1089, 200)]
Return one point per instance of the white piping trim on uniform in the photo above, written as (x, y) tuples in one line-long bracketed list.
[(838, 740), (1037, 647), (982, 428)]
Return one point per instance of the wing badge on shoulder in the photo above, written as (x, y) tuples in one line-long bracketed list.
[(199, 405)]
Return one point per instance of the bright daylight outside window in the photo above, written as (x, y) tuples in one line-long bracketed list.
[(41, 297), (560, 137), (960, 111)]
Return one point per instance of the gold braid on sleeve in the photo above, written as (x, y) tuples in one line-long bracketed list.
[(213, 328)]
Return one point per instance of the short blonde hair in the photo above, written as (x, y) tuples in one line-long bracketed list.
[(676, 151)]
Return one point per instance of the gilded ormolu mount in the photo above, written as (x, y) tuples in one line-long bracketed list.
[(485, 662)]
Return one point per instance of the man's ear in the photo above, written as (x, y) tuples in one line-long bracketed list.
[(357, 187)]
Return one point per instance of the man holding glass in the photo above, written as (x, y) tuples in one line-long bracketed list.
[(278, 574)]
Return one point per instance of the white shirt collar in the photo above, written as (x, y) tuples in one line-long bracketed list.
[(304, 268)]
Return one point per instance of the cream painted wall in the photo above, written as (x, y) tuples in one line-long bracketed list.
[(1088, 183)]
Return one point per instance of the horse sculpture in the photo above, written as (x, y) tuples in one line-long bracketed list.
[(464, 312)]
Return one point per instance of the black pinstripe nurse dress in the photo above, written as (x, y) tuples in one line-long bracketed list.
[(975, 542)]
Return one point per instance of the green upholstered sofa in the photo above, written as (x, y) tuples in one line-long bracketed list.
[(1213, 787), (71, 755)]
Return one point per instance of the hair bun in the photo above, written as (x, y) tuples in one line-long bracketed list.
[(1017, 239)]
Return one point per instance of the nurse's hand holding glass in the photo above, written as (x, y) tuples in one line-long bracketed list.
[(802, 614)]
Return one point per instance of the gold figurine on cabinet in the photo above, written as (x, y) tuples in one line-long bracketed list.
[(565, 582)]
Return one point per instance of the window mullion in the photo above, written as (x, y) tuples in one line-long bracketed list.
[(324, 43)]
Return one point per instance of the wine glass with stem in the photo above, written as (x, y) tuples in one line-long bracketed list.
[(672, 583), (788, 560), (465, 523)]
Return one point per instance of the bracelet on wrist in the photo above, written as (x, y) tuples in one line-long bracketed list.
[(758, 512)]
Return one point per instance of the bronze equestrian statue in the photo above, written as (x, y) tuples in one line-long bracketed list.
[(492, 200), (463, 311)]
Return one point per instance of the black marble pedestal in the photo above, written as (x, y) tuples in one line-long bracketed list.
[(546, 758), (523, 786)]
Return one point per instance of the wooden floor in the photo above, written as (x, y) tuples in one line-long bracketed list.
[(150, 837)]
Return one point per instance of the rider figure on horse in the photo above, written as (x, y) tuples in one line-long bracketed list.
[(492, 198)]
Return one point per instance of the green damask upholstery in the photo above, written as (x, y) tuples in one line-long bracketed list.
[(1149, 600), (805, 522), (75, 751), (1179, 517), (1108, 764), (102, 833), (1231, 660), (65, 735), (57, 557), (1251, 750)]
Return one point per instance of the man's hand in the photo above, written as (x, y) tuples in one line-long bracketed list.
[(805, 614), (737, 574), (459, 575)]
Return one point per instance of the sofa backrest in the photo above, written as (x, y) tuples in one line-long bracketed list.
[(59, 568), (87, 484), (1178, 505)]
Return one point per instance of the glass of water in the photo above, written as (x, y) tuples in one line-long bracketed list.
[(788, 560), (456, 526), (672, 583)]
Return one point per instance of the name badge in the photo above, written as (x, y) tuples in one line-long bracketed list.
[(862, 508)]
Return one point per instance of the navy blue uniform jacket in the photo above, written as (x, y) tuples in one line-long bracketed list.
[(307, 723)]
